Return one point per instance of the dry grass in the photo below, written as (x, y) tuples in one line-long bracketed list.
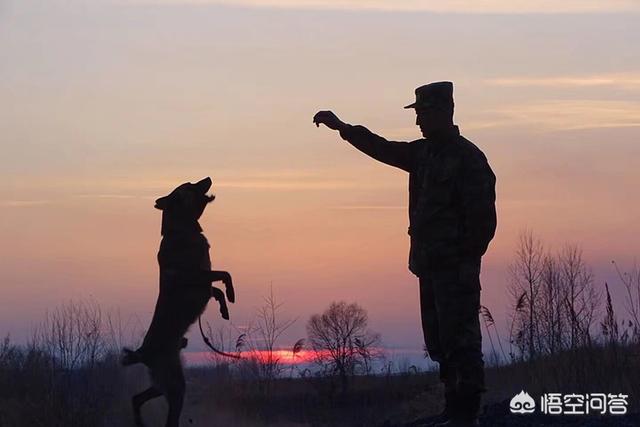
[(32, 395)]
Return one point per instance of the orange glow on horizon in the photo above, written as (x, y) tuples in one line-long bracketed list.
[(286, 357)]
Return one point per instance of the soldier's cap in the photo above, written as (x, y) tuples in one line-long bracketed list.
[(437, 94)]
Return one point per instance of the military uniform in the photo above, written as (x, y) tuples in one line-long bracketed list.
[(452, 220)]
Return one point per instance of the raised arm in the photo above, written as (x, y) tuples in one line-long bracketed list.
[(398, 154)]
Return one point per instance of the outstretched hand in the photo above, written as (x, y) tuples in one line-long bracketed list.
[(328, 119)]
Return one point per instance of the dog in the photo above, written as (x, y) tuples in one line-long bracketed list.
[(185, 290)]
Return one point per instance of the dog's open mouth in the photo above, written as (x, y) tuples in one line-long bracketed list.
[(204, 185)]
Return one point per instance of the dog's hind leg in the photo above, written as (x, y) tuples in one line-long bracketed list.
[(140, 399), (218, 295), (175, 395)]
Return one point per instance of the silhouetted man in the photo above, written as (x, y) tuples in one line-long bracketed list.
[(452, 220)]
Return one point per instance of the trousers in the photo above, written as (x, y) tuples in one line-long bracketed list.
[(449, 305)]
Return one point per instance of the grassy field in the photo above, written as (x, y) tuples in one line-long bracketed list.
[(33, 393)]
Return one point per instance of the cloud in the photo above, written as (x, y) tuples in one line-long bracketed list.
[(23, 203), (109, 196), (271, 184), (563, 115), (368, 207), (622, 80), (287, 180), (450, 6)]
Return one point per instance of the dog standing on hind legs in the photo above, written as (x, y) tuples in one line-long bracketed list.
[(185, 290)]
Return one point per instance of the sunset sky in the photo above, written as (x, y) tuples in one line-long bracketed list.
[(108, 104)]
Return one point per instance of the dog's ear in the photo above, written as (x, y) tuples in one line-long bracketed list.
[(162, 203)]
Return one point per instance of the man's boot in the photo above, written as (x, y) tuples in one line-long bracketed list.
[(466, 412), (459, 423), (450, 401)]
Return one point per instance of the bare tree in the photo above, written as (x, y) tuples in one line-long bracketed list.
[(70, 356), (526, 276), (556, 301), (73, 334), (551, 313), (581, 300), (631, 283), (341, 340), (262, 336)]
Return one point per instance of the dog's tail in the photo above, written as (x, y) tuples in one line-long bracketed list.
[(130, 357), (208, 343)]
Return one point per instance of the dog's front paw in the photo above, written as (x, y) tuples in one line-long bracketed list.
[(228, 287), (219, 296), (224, 311)]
